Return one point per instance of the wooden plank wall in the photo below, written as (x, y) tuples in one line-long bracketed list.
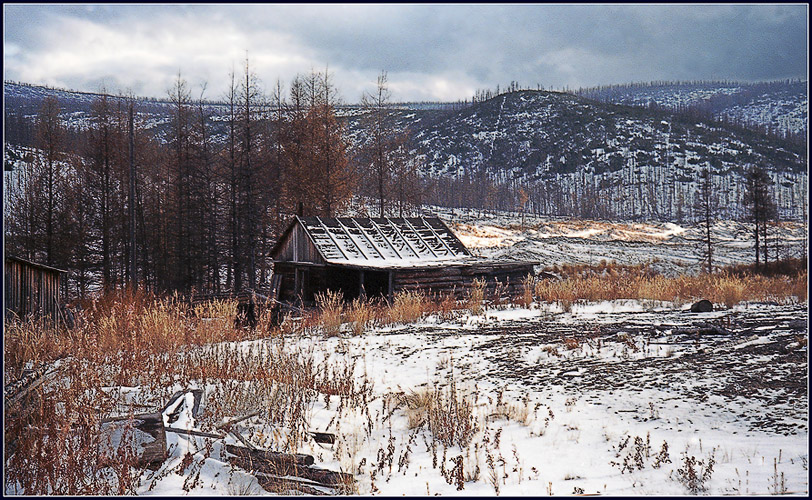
[(298, 248), (31, 291)]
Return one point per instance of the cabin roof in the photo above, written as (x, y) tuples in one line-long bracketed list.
[(381, 241), (34, 264)]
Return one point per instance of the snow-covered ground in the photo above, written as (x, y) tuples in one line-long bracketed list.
[(608, 398), (671, 249)]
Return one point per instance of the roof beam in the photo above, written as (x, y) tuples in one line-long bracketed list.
[(414, 230), (327, 230), (375, 225), (366, 237), (436, 234), (349, 235), (416, 254)]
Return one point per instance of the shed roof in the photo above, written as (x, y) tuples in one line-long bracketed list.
[(381, 241), (34, 264)]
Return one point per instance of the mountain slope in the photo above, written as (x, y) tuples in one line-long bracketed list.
[(573, 153), (573, 142), (780, 106)]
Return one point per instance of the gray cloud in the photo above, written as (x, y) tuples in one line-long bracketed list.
[(430, 51)]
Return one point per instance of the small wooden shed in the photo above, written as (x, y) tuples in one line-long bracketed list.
[(31, 290), (379, 257)]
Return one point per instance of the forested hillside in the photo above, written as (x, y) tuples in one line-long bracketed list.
[(780, 107), (578, 157)]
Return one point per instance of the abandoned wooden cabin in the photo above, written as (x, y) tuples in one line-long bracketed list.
[(380, 257), (31, 290)]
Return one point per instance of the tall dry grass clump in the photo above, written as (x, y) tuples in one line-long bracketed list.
[(476, 296), (35, 343), (331, 307), (407, 307), (528, 285), (360, 314), (799, 287), (447, 413), (447, 305), (216, 320)]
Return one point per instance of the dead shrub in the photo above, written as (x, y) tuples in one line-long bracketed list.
[(571, 343)]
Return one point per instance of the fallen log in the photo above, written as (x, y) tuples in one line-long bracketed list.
[(173, 415), (229, 423), (192, 432), (14, 393), (323, 437), (276, 484), (322, 476), (271, 457)]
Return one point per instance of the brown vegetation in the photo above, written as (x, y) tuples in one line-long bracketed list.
[(139, 340), (611, 281)]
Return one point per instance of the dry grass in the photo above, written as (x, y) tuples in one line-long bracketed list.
[(527, 291), (447, 305), (360, 314), (331, 307), (153, 344), (52, 445), (407, 307), (610, 282), (476, 296), (447, 413)]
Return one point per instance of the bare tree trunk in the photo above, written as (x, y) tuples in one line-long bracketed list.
[(131, 202)]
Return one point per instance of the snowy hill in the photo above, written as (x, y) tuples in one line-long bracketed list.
[(644, 163), (781, 106), (578, 156)]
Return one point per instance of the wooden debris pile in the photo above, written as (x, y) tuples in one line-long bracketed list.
[(275, 471)]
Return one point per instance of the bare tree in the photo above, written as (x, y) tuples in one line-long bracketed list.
[(50, 131), (760, 208), (381, 143), (706, 208)]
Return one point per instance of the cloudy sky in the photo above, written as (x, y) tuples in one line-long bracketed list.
[(430, 52)]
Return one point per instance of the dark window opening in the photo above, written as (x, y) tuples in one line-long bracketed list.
[(350, 281)]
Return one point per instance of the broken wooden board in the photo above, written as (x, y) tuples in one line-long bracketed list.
[(277, 467), (144, 434)]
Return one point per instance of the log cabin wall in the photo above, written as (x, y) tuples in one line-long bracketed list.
[(31, 290), (460, 279)]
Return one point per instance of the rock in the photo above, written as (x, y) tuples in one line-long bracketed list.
[(703, 306)]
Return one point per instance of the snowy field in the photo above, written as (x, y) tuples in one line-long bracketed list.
[(609, 398), (672, 249)]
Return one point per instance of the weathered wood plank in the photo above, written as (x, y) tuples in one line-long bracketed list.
[(272, 458), (322, 476)]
